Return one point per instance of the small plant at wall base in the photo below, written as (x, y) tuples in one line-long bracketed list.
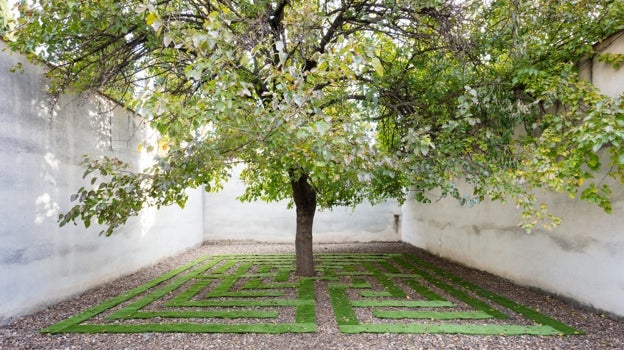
[(337, 102)]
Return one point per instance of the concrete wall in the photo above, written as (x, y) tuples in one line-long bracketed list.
[(226, 218), (602, 74), (40, 151), (582, 260)]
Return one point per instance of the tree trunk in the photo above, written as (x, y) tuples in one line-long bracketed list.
[(304, 196)]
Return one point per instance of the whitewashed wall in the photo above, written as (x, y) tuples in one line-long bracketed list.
[(582, 260), (40, 151), (226, 218), (601, 74)]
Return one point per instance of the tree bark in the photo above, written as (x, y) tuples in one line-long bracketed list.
[(304, 197)]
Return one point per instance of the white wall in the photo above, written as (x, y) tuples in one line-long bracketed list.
[(225, 218), (40, 151), (602, 74), (583, 259)]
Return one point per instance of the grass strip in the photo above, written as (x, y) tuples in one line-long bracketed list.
[(459, 294), (252, 294), (432, 315), (306, 311), (386, 282), (229, 281), (286, 258), (351, 257), (283, 275), (150, 298), (222, 269), (449, 329), (268, 328), (390, 269), (207, 314), (355, 285), (401, 303), (358, 273), (422, 290), (343, 310), (527, 312), (327, 274), (188, 294), (402, 275), (350, 268), (374, 294), (264, 269), (258, 284), (244, 303), (110, 303), (253, 275), (253, 283)]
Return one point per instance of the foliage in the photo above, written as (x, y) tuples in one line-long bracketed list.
[(505, 111), (225, 83), (5, 16), (363, 98)]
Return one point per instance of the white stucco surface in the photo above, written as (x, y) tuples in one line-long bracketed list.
[(226, 218), (603, 74), (40, 152), (582, 259)]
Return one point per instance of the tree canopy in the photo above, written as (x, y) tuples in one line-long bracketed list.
[(503, 108), (339, 101)]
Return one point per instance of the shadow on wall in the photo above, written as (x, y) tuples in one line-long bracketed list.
[(42, 141)]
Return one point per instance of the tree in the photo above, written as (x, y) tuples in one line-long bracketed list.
[(281, 86), (335, 102)]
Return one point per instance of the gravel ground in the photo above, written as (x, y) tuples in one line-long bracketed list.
[(602, 332)]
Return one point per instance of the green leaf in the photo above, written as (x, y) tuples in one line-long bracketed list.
[(321, 127), (150, 18), (379, 69), (593, 161)]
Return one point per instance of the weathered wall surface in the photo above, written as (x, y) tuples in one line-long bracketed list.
[(40, 152), (601, 74), (226, 218), (583, 259)]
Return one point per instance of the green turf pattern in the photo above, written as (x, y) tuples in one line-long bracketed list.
[(400, 293)]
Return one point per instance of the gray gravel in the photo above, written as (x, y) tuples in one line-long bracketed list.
[(602, 332)]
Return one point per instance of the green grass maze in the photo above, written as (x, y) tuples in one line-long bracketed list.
[(369, 293)]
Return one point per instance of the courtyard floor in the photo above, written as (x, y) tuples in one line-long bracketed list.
[(364, 296)]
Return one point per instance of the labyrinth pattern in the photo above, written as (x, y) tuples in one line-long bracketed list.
[(369, 293)]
